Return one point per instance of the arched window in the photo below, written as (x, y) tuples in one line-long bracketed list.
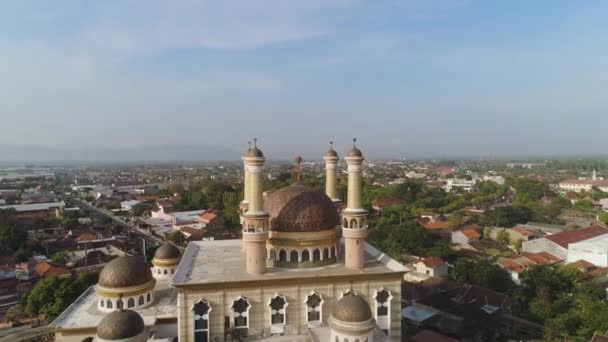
[(345, 223), (119, 304), (333, 252), (325, 253), (383, 309), (102, 303), (200, 312), (173, 271), (357, 340), (88, 339), (293, 256), (316, 255), (282, 255), (305, 255), (148, 297), (141, 300), (314, 306), (278, 306), (240, 312), (110, 305), (165, 271), (130, 302), (353, 223)]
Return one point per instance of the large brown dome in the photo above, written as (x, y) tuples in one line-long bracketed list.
[(167, 251), (297, 208), (126, 271)]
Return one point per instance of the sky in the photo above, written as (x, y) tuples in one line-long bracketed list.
[(408, 78)]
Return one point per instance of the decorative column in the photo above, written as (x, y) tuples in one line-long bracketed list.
[(354, 227)]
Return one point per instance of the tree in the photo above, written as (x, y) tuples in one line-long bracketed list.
[(487, 233), (12, 239), (603, 217), (61, 257), (483, 273), (518, 244), (503, 237)]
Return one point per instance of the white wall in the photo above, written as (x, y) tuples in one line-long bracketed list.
[(589, 252), (544, 245)]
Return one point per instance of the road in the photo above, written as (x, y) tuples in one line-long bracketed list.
[(117, 220), (23, 333)]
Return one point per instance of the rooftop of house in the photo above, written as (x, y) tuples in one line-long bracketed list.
[(432, 262), (83, 312), (572, 236), (222, 261)]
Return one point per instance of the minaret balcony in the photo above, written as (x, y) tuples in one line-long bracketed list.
[(356, 233)]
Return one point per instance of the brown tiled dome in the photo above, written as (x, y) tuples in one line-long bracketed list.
[(351, 308), (125, 272), (297, 208), (120, 325), (167, 251)]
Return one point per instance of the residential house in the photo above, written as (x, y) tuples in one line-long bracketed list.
[(466, 235), (557, 244), (432, 266)]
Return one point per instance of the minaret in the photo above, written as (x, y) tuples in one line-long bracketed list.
[(354, 227), (255, 219), (331, 164), (246, 186)]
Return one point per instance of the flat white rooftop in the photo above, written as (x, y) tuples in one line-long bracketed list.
[(83, 313), (222, 261)]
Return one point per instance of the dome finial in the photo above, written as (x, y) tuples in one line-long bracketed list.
[(255, 142), (354, 142), (249, 143), (331, 144)]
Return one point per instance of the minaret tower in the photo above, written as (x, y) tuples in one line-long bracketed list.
[(243, 206), (255, 219), (331, 164), (354, 227)]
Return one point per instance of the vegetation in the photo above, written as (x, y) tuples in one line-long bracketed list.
[(51, 296), (559, 298)]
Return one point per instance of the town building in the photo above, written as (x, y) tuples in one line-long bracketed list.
[(584, 184), (557, 244), (303, 271)]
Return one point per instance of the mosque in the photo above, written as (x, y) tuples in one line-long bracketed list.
[(303, 271)]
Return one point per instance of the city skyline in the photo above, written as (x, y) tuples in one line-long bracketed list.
[(408, 78)]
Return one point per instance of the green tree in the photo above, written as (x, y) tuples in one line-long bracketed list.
[(503, 237), (482, 273), (61, 257), (603, 217), (518, 244)]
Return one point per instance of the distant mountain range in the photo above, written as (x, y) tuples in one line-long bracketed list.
[(162, 153)]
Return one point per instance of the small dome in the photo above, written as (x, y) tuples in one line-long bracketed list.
[(297, 208), (254, 152), (354, 152), (167, 251), (352, 308), (120, 325), (126, 271), (331, 153)]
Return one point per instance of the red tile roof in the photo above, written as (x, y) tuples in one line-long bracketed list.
[(384, 202), (208, 216), (565, 238), (542, 258), (521, 230), (432, 262), (471, 233)]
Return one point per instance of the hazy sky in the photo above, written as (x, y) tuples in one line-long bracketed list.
[(410, 77)]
